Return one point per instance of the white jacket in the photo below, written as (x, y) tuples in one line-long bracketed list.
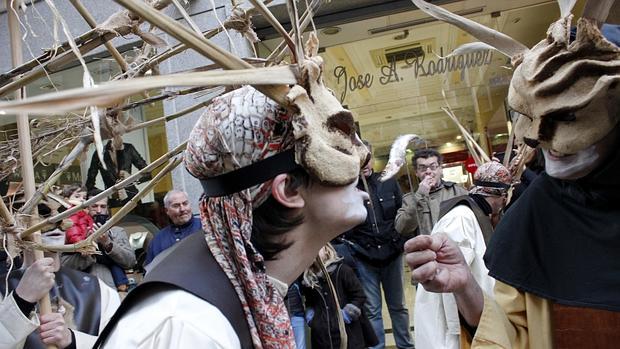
[(15, 327), (435, 316)]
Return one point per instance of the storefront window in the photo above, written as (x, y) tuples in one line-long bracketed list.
[(150, 142), (396, 81)]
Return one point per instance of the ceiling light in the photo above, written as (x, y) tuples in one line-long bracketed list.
[(448, 144), (459, 137), (331, 30)]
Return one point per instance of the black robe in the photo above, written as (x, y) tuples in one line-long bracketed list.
[(561, 240)]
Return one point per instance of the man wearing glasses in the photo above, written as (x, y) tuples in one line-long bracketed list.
[(420, 210)]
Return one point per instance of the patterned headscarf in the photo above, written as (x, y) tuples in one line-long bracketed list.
[(491, 179), (238, 129)]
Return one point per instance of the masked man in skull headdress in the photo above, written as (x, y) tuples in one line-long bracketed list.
[(278, 185), (554, 255)]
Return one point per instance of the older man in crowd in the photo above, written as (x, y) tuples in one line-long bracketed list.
[(179, 210)]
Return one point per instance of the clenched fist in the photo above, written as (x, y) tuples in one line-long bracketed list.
[(54, 331), (437, 263), (37, 280)]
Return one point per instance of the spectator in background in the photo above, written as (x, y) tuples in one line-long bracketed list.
[(466, 221), (377, 250), (420, 211), (75, 195), (114, 247), (179, 210), (322, 319), (119, 158), (296, 311)]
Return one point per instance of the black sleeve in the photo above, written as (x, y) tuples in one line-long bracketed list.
[(23, 305), (352, 287), (72, 345), (138, 161), (398, 195), (93, 170)]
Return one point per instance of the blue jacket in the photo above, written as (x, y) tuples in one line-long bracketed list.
[(169, 236)]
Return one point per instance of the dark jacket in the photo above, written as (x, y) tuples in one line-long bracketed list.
[(125, 159), (74, 287), (376, 240), (170, 235), (324, 324)]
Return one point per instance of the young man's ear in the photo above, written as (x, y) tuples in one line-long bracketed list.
[(287, 197)]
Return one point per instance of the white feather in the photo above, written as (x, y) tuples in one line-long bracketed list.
[(397, 155)]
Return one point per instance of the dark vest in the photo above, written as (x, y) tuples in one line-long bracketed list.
[(484, 222), (189, 266), (79, 289)]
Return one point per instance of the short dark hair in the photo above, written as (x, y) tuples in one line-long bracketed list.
[(425, 154), (272, 220), (94, 192)]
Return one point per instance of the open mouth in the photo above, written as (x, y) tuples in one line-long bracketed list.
[(556, 155)]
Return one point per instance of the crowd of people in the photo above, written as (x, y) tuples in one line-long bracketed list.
[(299, 241)]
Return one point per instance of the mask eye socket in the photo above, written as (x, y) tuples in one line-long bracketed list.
[(563, 116), (343, 122)]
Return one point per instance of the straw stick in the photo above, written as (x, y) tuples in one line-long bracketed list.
[(201, 45), (93, 24), (122, 184), (84, 245), (23, 129)]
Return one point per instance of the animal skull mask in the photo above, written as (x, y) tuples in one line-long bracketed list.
[(244, 127), (567, 91)]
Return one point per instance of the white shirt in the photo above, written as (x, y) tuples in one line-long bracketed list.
[(436, 318), (15, 326), (173, 319)]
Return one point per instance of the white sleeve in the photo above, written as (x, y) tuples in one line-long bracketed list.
[(14, 326), (110, 301), (461, 226)]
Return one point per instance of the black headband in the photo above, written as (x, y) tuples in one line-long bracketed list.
[(492, 184), (251, 175)]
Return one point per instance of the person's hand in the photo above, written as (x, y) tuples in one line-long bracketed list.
[(437, 263), (352, 311), (54, 330), (345, 317), (309, 315), (426, 185), (103, 240), (37, 281)]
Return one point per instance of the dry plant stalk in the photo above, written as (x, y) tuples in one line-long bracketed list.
[(88, 245), (128, 181)]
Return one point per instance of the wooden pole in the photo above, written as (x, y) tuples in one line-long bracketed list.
[(23, 132)]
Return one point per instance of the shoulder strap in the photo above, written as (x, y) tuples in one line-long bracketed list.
[(192, 268)]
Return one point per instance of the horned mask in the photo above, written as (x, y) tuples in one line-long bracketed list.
[(567, 92), (244, 127)]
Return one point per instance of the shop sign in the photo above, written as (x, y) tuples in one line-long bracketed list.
[(421, 68)]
